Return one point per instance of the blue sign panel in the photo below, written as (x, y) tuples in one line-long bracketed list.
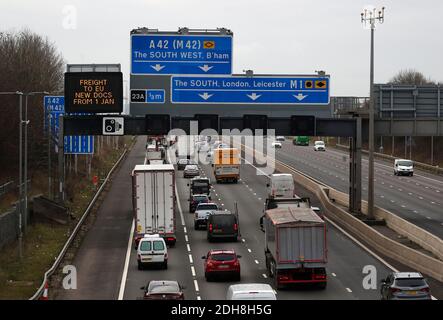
[(148, 96), (181, 54), (55, 106), (301, 90), (79, 144)]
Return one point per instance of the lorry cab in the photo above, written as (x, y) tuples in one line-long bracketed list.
[(200, 185), (281, 185)]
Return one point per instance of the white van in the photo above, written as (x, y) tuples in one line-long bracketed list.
[(403, 167), (152, 250), (250, 291), (281, 186)]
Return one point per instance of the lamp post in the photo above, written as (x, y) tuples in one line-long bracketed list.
[(20, 203), (371, 16), (26, 122)]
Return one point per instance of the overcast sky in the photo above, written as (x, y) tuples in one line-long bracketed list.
[(270, 36)]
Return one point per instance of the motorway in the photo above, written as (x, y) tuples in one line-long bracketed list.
[(418, 199), (346, 259), (106, 262)]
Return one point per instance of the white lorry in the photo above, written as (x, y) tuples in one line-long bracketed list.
[(281, 186), (154, 201)]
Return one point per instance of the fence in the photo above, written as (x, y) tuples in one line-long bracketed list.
[(9, 226)]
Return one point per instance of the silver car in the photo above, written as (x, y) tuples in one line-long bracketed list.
[(191, 170), (405, 286)]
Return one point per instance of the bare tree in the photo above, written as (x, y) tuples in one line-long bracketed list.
[(410, 77), (28, 62)]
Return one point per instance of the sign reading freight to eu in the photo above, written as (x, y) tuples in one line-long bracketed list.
[(164, 54), (94, 92), (301, 90)]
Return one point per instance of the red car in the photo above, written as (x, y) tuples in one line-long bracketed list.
[(222, 263)]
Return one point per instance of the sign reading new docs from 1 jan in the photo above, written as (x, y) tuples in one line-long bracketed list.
[(301, 90), (167, 54)]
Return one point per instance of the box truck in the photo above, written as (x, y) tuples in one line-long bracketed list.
[(154, 201), (295, 247), (226, 163)]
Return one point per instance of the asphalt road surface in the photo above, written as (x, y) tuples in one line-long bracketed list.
[(418, 199), (345, 266)]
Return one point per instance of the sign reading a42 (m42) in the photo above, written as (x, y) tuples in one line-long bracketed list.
[(94, 92), (284, 90), (167, 54)]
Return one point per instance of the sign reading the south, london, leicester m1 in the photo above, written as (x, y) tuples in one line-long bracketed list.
[(93, 92), (299, 90), (167, 54)]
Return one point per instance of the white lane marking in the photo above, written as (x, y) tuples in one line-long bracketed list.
[(121, 293), (403, 206), (249, 250), (186, 238), (193, 271), (184, 230), (259, 199), (190, 258), (429, 218), (256, 261), (196, 286), (199, 298), (421, 198), (333, 274), (243, 240), (188, 247), (349, 290), (223, 204), (264, 276)]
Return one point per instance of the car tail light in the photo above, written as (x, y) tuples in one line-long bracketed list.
[(210, 227), (210, 264), (319, 276), (166, 256), (139, 257), (424, 290), (283, 278), (235, 227), (393, 290)]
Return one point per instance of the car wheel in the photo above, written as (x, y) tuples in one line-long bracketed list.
[(322, 285), (195, 226), (238, 277), (208, 277), (139, 265), (411, 174), (209, 239)]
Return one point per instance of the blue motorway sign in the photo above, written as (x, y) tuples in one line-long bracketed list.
[(181, 54), (79, 144), (148, 96), (55, 106), (301, 90)]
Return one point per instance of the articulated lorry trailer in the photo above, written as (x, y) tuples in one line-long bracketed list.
[(295, 247), (154, 201)]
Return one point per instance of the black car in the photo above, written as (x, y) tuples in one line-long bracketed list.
[(222, 225), (195, 199), (163, 290)]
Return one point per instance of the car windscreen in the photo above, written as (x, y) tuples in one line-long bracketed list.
[(207, 207), (405, 163), (223, 220), (188, 167), (145, 246), (200, 183), (169, 287), (410, 282), (319, 143), (223, 257), (200, 198)]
